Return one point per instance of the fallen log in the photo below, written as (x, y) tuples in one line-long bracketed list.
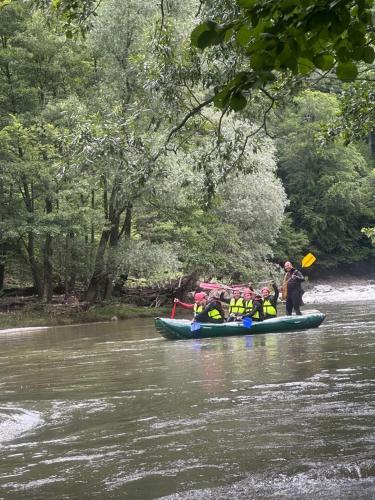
[(159, 295)]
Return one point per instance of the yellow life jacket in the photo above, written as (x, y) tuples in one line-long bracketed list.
[(268, 308), (236, 306), (215, 314), (249, 308), (255, 315), (198, 309), (248, 305)]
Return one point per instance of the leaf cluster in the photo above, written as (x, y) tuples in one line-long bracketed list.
[(288, 36)]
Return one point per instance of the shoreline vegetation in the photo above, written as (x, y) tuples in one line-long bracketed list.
[(30, 312), (18, 311), (37, 314), (21, 307)]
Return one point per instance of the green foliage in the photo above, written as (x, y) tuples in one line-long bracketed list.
[(328, 188), (291, 244), (235, 230), (75, 17), (370, 232), (290, 36), (92, 182), (153, 262), (355, 121)]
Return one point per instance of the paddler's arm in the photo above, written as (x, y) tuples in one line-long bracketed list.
[(257, 307), (184, 305), (276, 295), (297, 276)]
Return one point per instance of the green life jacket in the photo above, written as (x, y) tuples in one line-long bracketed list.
[(268, 308), (236, 306)]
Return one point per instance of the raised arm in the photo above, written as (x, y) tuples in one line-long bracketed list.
[(298, 276), (276, 294)]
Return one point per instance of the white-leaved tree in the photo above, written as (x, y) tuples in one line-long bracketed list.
[(224, 214)]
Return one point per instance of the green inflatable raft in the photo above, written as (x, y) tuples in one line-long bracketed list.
[(180, 329)]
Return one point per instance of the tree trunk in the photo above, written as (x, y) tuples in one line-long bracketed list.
[(73, 262), (67, 264), (48, 286), (127, 226), (47, 259), (92, 235), (36, 270), (3, 251), (93, 289), (371, 143), (34, 266), (2, 275), (108, 287), (70, 266)]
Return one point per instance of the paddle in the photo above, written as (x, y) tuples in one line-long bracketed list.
[(217, 286), (195, 326), (211, 286), (308, 260), (173, 310), (247, 322)]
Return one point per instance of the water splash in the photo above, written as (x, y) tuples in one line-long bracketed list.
[(16, 421), (340, 292)]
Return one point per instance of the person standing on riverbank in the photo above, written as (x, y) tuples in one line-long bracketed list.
[(292, 282)]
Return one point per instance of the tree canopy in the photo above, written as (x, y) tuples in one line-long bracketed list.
[(291, 37), (96, 185)]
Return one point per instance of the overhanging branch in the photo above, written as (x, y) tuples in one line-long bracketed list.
[(193, 112)]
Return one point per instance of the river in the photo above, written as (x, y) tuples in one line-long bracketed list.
[(112, 410)]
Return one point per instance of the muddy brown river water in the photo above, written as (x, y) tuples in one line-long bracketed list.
[(113, 410)]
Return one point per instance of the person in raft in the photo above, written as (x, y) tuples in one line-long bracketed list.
[(236, 305), (270, 301), (205, 310), (253, 305), (200, 302), (293, 279), (213, 312)]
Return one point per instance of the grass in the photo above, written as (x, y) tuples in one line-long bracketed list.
[(44, 315)]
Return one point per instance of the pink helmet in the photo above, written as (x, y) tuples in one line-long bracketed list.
[(199, 296), (265, 289)]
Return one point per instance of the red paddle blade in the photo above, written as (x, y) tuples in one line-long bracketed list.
[(217, 286), (173, 310), (210, 286)]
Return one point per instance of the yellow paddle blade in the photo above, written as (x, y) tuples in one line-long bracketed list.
[(308, 260)]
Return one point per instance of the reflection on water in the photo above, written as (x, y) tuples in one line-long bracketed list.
[(115, 411)]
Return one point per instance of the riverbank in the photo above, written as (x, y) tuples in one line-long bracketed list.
[(45, 315), (35, 313)]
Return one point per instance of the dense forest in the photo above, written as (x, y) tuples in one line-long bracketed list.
[(135, 144)]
